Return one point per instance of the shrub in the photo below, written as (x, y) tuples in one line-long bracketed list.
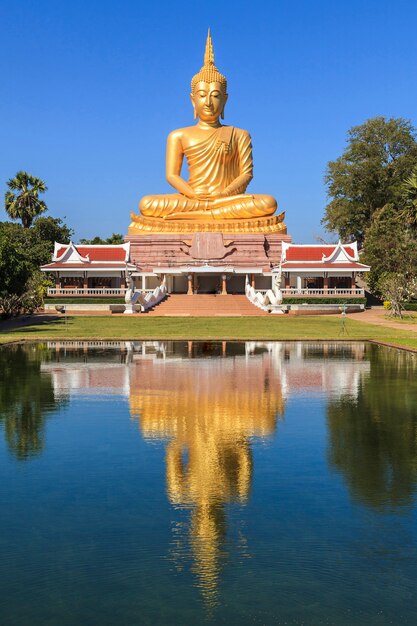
[(340, 301)]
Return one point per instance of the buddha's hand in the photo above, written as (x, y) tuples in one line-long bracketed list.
[(191, 195), (195, 195), (198, 196)]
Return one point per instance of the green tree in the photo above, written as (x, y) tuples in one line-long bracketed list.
[(43, 234), (397, 288), (15, 272), (410, 196), (115, 238), (380, 155), (37, 242), (390, 248), (391, 251), (22, 252), (22, 200)]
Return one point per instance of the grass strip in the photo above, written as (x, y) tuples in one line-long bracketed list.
[(222, 328)]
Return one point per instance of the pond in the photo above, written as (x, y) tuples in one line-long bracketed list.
[(207, 482)]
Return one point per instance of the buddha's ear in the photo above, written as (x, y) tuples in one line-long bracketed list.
[(224, 104), (192, 102)]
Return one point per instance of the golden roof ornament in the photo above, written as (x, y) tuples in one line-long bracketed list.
[(209, 72)]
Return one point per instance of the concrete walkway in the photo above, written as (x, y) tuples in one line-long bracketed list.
[(378, 316)]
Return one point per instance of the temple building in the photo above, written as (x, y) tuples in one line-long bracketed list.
[(89, 270), (306, 270), (321, 270), (210, 236)]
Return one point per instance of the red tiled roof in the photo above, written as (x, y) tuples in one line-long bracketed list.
[(320, 265), (85, 266), (312, 253), (103, 253)]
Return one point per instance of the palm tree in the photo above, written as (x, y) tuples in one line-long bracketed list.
[(22, 201), (409, 188)]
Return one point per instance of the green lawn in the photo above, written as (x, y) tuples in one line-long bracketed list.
[(261, 328)]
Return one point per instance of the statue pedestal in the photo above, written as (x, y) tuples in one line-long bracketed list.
[(221, 252), (258, 225)]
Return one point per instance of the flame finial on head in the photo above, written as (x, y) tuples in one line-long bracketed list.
[(209, 72), (209, 52)]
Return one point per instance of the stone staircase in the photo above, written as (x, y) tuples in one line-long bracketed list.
[(202, 305)]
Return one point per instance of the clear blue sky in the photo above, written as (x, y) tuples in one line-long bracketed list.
[(91, 88)]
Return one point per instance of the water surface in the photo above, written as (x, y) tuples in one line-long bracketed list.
[(192, 482)]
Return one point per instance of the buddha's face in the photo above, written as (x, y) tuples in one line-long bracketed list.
[(208, 101)]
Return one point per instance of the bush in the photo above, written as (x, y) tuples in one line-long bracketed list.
[(339, 301), (387, 305), (409, 306), (10, 305)]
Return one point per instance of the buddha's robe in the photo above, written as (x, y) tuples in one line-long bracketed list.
[(220, 169)]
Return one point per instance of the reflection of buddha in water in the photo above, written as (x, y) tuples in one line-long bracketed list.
[(219, 161), (208, 412)]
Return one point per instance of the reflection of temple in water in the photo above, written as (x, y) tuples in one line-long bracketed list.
[(208, 401), (89, 367), (313, 368)]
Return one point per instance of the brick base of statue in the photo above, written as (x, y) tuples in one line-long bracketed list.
[(149, 252)]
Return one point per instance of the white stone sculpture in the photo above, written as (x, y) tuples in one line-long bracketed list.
[(145, 300), (270, 301)]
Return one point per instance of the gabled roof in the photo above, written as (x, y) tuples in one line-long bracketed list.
[(321, 256), (314, 253), (358, 267), (89, 267), (71, 253), (90, 257)]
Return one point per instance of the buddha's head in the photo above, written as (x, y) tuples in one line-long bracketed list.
[(208, 88)]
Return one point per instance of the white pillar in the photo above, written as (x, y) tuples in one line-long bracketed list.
[(299, 283), (143, 282)]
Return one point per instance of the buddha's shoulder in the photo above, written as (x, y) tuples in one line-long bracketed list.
[(240, 133), (175, 134), (179, 133)]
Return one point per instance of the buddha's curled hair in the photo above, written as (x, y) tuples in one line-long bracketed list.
[(209, 72)]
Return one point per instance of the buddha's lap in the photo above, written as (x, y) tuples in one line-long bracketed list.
[(165, 204)]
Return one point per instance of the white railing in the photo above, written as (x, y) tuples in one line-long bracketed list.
[(81, 291), (293, 291)]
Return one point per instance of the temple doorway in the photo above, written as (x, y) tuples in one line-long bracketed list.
[(212, 283), (236, 284), (208, 284)]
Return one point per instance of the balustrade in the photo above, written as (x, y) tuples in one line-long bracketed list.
[(82, 291), (293, 291)]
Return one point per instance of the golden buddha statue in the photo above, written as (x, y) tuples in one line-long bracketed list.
[(220, 168)]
